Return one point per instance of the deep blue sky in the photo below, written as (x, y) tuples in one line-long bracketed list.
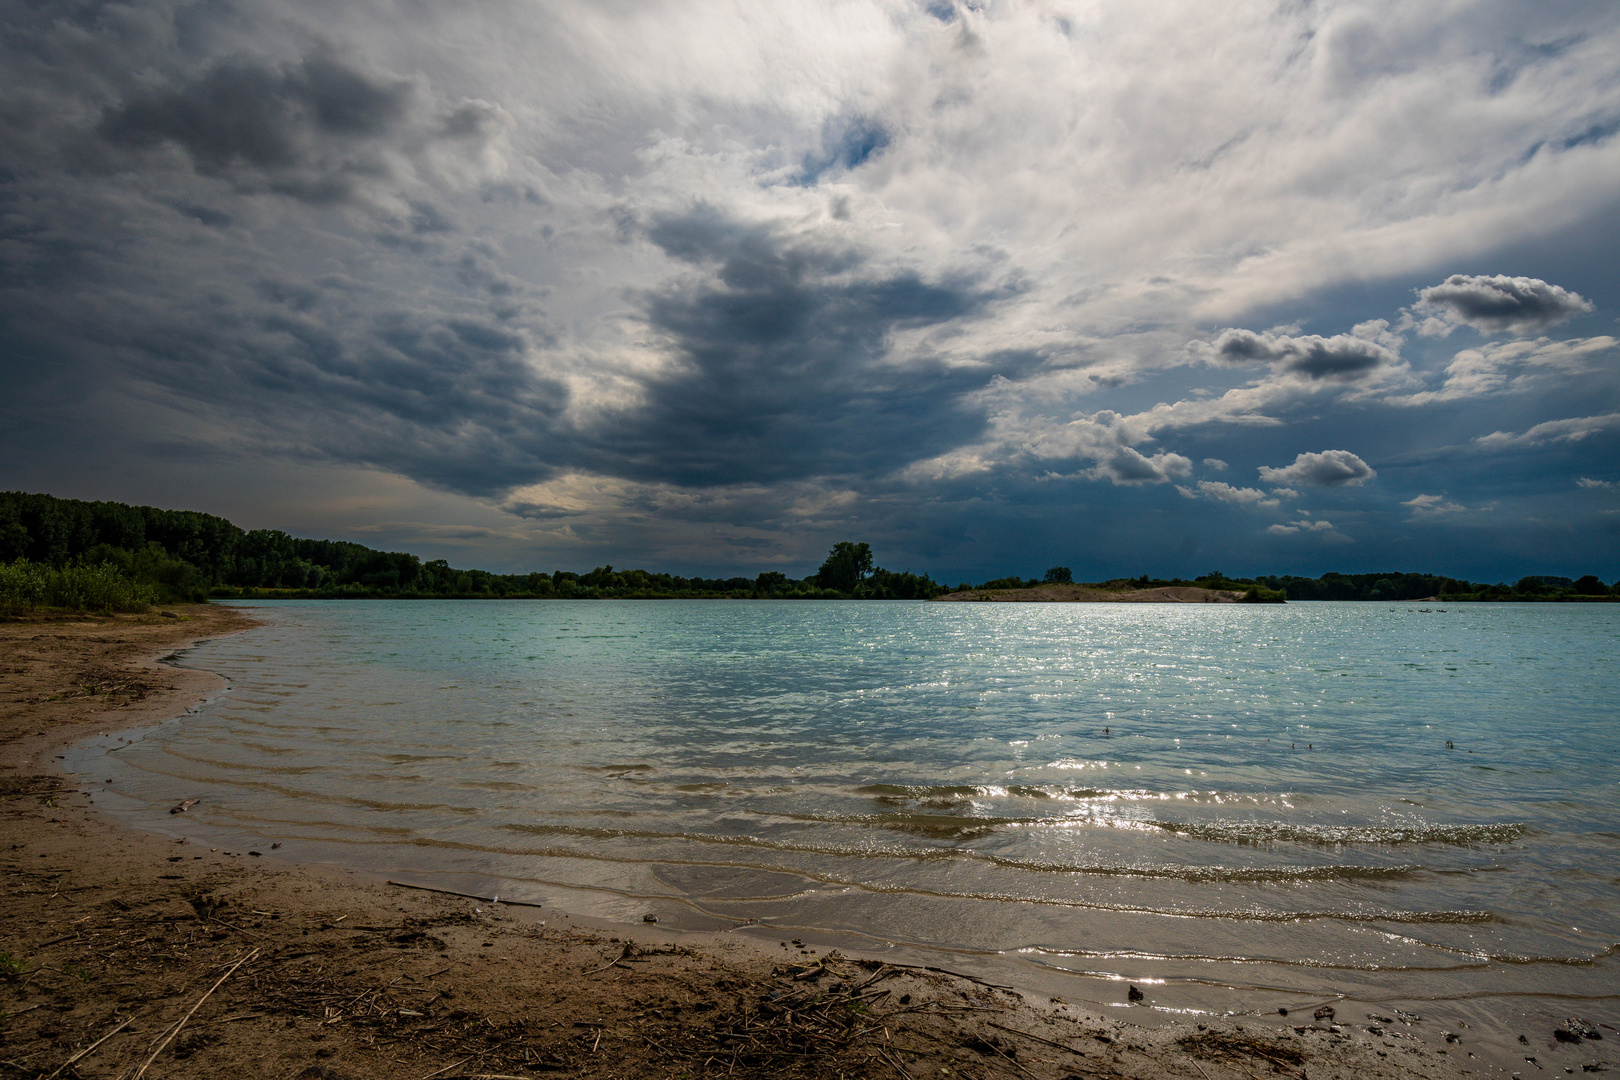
[(994, 286)]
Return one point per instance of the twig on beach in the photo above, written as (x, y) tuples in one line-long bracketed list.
[(238, 929), (625, 953), (465, 895), (893, 1062), (953, 974), (447, 1068), (1010, 1059), (91, 1048), (1037, 1038), (175, 1030)]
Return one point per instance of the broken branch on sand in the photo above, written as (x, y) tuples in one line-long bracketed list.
[(465, 895), (175, 1030), (87, 1051)]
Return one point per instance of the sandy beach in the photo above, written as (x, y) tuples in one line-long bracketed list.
[(128, 954)]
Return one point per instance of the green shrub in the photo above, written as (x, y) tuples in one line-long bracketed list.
[(1259, 594), (97, 588), (25, 586), (22, 586)]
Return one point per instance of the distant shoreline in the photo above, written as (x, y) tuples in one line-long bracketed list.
[(1092, 594), (106, 556)]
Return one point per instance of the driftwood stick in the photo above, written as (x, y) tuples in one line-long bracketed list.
[(893, 1062), (176, 1029), (1037, 1038), (464, 895), (91, 1048), (447, 1068)]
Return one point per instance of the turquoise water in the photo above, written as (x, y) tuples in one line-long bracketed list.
[(1234, 806)]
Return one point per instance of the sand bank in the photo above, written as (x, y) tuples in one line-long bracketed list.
[(274, 969)]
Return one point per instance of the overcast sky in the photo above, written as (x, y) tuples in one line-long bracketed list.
[(1163, 288)]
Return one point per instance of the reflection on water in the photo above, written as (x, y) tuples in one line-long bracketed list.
[(1313, 799)]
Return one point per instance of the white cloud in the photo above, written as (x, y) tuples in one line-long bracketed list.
[(1432, 506), (1221, 492), (1330, 468), (1215, 463), (1513, 366), (1600, 485), (1573, 429), (1305, 525), (1106, 439)]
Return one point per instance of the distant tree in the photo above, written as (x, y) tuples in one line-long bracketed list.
[(1006, 583), (846, 567), (1059, 575), (1590, 585), (771, 583)]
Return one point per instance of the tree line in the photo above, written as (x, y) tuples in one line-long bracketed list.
[(47, 545), (1385, 586), (114, 556)]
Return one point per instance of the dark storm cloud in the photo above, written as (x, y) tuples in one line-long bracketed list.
[(1330, 468), (448, 398), (318, 130), (243, 111), (787, 366), (1498, 303), (1341, 358)]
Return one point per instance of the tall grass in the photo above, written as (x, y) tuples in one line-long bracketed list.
[(25, 586)]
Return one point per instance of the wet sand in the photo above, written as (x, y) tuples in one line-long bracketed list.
[(123, 948)]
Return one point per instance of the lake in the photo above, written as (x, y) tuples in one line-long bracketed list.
[(1233, 807)]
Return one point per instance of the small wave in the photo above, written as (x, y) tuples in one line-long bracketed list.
[(1262, 832), (1241, 914), (248, 767), (931, 792), (1051, 955), (1176, 872)]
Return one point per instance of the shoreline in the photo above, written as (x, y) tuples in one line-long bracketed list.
[(344, 975), (1090, 594)]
